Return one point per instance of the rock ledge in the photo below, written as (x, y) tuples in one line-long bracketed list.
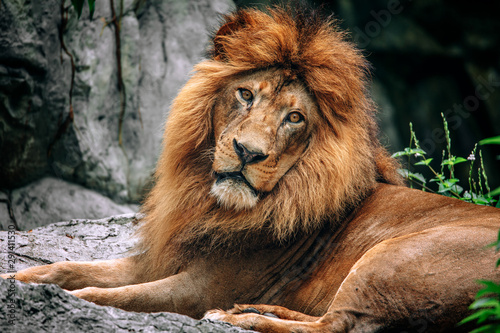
[(47, 308)]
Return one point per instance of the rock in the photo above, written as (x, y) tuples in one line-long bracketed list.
[(75, 240), (50, 200), (47, 308), (160, 42)]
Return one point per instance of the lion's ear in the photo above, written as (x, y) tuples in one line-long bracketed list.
[(233, 24)]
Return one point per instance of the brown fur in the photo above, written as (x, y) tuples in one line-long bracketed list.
[(332, 245), (342, 160)]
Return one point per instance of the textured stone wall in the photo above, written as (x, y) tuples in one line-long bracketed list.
[(68, 129)]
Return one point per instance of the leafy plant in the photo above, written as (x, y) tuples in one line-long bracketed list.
[(445, 178), (487, 309), (78, 5), (492, 141)]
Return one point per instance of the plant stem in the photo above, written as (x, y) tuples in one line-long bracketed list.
[(484, 172), (121, 87), (70, 117)]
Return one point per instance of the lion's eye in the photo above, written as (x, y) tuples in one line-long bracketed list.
[(246, 95), (295, 117)]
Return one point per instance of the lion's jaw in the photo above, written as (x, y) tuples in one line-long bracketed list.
[(263, 124)]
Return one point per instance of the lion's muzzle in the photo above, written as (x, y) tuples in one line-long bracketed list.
[(233, 190), (247, 156), (236, 176)]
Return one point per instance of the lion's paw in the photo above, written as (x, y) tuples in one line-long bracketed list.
[(264, 310), (244, 316), (90, 294), (219, 315), (243, 320)]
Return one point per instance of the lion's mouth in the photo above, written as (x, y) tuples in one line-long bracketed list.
[(236, 176)]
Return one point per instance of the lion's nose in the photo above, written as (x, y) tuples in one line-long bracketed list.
[(246, 156)]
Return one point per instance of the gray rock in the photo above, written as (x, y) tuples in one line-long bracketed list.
[(49, 200), (47, 308), (75, 240), (160, 42)]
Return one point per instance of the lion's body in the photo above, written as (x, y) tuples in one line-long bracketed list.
[(273, 188)]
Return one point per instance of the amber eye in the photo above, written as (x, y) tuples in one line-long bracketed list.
[(246, 95), (295, 117)]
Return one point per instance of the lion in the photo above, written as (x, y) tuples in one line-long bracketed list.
[(272, 192)]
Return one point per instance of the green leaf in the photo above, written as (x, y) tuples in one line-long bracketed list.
[(491, 288), (418, 151), (448, 186), (480, 316), (424, 162), (454, 160), (495, 244), (403, 172), (78, 5), (452, 181), (399, 154), (91, 9), (480, 200), (472, 317), (444, 190), (408, 152), (495, 192), (490, 328), (491, 141), (439, 177), (417, 176), (460, 160)]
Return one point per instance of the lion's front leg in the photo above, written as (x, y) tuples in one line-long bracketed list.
[(180, 293), (73, 275)]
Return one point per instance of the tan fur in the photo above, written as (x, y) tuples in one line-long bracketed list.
[(340, 160), (302, 216)]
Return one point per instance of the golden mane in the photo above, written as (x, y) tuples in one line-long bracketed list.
[(340, 167)]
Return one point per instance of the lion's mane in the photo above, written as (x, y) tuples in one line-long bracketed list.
[(342, 163)]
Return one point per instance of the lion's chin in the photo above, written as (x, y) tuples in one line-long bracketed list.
[(234, 194)]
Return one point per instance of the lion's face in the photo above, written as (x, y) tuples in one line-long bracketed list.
[(262, 124)]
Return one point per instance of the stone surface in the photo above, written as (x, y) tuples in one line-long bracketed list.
[(160, 42), (75, 240), (50, 200), (47, 308)]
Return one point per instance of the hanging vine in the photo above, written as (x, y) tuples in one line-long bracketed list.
[(116, 21), (64, 125)]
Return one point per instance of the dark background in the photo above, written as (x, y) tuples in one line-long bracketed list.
[(429, 57)]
